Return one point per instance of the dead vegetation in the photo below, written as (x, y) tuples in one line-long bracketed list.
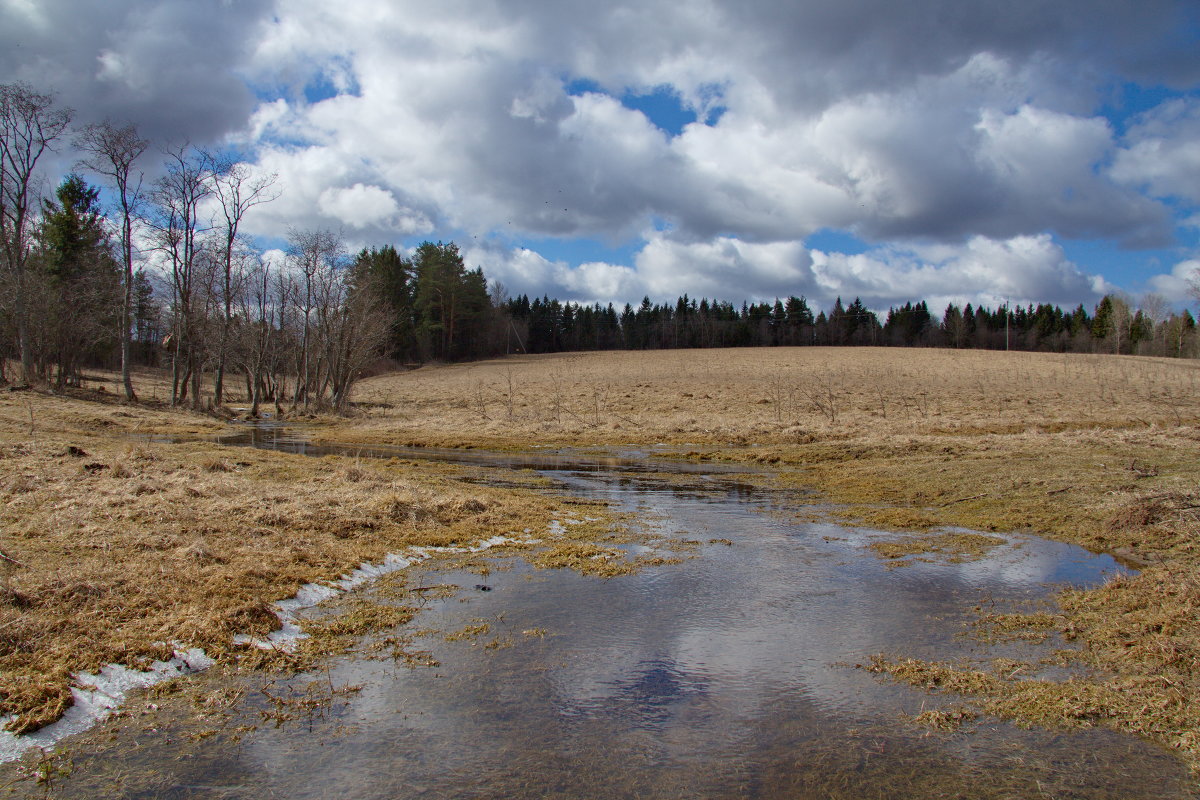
[(768, 396), (955, 547), (114, 549), (126, 546), (1097, 450)]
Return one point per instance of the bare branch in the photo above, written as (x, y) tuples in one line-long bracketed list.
[(112, 152), (30, 124)]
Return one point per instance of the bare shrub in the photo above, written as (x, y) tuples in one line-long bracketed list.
[(780, 396), (823, 393), (405, 506), (356, 473)]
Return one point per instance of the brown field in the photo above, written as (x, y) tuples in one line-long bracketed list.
[(1099, 450), (770, 396), (113, 543), (904, 439)]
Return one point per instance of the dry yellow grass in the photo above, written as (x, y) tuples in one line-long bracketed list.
[(956, 547), (111, 547), (906, 439), (768, 396), (1099, 450)]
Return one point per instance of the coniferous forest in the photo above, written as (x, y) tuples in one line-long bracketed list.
[(546, 325), (442, 311)]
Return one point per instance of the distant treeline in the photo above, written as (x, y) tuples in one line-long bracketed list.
[(443, 311), (546, 326)]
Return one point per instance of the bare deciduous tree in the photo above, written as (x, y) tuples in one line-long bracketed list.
[(1156, 310), (353, 326), (343, 325), (310, 254), (238, 190), (30, 124), (177, 197), (261, 347), (1122, 317), (112, 152)]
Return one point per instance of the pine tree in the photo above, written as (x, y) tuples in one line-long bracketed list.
[(390, 277), (83, 281), (450, 303)]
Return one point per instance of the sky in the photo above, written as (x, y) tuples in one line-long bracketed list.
[(938, 150)]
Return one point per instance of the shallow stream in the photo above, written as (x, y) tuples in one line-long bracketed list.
[(731, 674)]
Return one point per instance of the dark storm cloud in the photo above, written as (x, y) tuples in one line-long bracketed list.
[(816, 52), (168, 67), (876, 68)]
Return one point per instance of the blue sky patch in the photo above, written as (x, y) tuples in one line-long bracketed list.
[(1129, 268), (320, 89), (662, 106), (324, 85), (831, 241), (581, 251), (1127, 100)]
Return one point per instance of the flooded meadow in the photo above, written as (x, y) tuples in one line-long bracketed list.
[(732, 666)]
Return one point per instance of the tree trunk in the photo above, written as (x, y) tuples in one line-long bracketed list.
[(195, 386), (126, 314), (28, 371), (219, 389), (255, 396)]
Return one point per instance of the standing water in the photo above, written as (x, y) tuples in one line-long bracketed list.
[(731, 674)]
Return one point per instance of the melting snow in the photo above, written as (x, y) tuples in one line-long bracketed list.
[(97, 696), (104, 693)]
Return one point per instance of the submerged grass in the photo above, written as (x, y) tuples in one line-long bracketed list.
[(1138, 635), (1101, 451), (955, 547)]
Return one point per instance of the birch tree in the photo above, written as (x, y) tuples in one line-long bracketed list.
[(237, 190), (178, 196), (112, 153)]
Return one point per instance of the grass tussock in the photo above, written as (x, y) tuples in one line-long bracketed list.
[(348, 623), (1141, 704), (469, 632), (943, 719), (955, 547)]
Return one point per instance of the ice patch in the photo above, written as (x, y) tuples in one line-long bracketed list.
[(312, 594), (112, 685), (107, 692)]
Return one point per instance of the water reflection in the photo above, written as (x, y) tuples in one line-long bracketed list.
[(648, 698), (728, 675)]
